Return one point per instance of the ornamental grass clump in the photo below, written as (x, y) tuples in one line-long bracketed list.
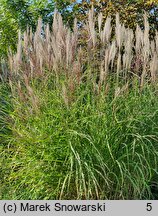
[(83, 119)]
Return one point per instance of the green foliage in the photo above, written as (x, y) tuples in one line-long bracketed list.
[(98, 148), (28, 12), (8, 31)]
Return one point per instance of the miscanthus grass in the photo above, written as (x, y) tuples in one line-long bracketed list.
[(79, 116), (101, 147)]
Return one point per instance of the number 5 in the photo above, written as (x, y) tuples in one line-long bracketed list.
[(149, 206)]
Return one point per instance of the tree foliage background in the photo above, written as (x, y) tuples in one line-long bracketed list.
[(18, 14), (131, 11)]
